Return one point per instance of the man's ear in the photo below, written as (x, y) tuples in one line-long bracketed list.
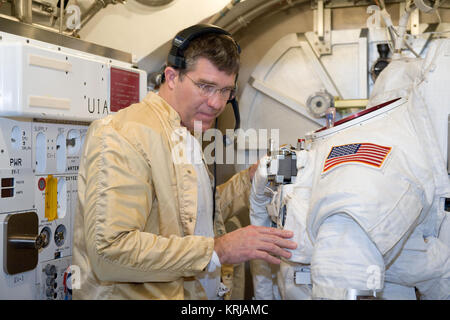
[(170, 75)]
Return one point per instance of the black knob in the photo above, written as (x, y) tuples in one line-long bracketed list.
[(50, 281), (49, 292), (50, 270)]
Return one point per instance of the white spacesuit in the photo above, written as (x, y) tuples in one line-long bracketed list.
[(368, 204)]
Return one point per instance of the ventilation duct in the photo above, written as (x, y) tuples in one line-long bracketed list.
[(46, 14)]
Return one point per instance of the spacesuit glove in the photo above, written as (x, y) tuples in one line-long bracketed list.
[(260, 179), (258, 198)]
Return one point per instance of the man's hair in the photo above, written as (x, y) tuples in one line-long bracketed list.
[(221, 50)]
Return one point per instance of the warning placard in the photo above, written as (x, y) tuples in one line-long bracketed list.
[(124, 88)]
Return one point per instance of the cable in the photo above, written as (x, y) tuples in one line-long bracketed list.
[(215, 176)]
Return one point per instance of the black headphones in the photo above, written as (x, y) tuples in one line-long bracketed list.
[(184, 37), (181, 42)]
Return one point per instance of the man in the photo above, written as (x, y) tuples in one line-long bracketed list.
[(145, 227)]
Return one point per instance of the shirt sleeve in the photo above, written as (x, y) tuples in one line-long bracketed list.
[(233, 195)]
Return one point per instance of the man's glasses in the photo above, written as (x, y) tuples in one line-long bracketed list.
[(208, 90)]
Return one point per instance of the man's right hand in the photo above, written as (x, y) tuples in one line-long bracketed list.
[(254, 242)]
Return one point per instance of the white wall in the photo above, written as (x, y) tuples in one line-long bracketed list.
[(139, 29)]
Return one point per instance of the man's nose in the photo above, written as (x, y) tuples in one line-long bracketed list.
[(216, 101)]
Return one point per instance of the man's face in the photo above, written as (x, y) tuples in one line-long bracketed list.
[(191, 104)]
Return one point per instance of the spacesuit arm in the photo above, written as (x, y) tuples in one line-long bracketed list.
[(258, 198), (424, 263), (118, 197), (262, 273)]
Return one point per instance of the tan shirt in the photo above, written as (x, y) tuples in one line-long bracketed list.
[(137, 208)]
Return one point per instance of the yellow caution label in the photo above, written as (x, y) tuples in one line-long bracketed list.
[(51, 198)]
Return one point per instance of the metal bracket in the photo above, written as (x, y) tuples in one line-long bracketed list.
[(414, 21), (326, 79), (289, 102), (363, 49), (21, 242), (320, 39)]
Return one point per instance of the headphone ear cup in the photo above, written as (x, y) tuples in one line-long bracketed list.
[(156, 78)]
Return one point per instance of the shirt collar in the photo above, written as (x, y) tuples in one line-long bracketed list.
[(156, 101)]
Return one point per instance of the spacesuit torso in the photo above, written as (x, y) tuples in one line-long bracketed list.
[(368, 203)]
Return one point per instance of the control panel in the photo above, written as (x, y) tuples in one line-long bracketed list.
[(49, 95), (40, 175), (54, 280)]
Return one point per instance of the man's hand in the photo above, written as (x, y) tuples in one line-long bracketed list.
[(254, 242), (252, 170)]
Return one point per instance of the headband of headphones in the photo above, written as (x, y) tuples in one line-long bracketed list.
[(184, 37)]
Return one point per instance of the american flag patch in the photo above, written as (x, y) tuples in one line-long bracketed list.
[(366, 153)]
